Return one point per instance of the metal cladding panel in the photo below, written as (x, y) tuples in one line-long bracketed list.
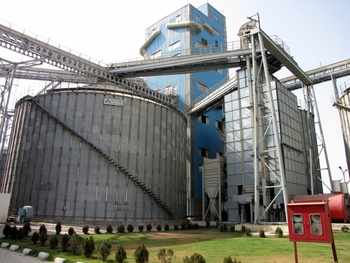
[(71, 142)]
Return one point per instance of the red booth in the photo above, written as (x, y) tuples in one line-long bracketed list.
[(310, 222)]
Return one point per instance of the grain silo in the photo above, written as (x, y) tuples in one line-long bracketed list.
[(97, 153)]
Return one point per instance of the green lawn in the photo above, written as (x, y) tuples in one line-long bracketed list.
[(212, 244)]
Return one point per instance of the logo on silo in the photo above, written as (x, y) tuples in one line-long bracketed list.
[(113, 102)]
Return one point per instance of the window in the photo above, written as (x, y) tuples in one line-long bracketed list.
[(298, 227), (202, 87), (218, 125), (217, 32), (203, 119), (174, 45), (204, 42), (203, 152), (157, 54), (178, 18), (316, 226), (198, 18)]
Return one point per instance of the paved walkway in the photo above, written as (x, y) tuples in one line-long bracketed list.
[(7, 256)]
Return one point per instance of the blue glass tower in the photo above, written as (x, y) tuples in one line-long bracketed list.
[(188, 31)]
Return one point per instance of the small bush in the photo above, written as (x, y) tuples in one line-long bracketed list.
[(65, 242), (109, 229), (183, 226), (53, 242), (76, 244), (279, 232), (141, 228), (195, 226), (195, 258), (13, 232), (71, 231), (159, 228), (35, 237), (58, 228), (42, 229), (232, 228), (207, 222), (344, 229), (149, 227), (166, 227), (223, 228), (121, 229), (262, 233), (27, 229), (176, 227), (141, 254), (43, 238), (88, 247), (229, 260), (85, 230), (243, 228), (6, 231), (120, 254), (97, 230), (130, 228), (166, 256), (20, 233), (248, 232), (105, 249)]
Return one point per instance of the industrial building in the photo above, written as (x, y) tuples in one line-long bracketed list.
[(171, 136)]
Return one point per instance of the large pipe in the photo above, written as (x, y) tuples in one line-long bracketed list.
[(198, 27), (339, 204), (148, 41)]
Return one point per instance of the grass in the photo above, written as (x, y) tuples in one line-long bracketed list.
[(212, 244)]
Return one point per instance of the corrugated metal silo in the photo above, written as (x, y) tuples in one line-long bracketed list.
[(97, 153), (343, 104)]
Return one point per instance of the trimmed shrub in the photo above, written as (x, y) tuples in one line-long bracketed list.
[(42, 229), (65, 242), (27, 229), (6, 231), (183, 226), (243, 228), (141, 228), (71, 231), (166, 256), (121, 229), (149, 227), (344, 229), (233, 228), (195, 258), (195, 226), (88, 247), (130, 228), (13, 232), (53, 242), (109, 229), (120, 254), (43, 238), (35, 237), (176, 227), (279, 232), (159, 228), (229, 260), (76, 244), (262, 233), (105, 249), (248, 232), (58, 228), (85, 230), (166, 227), (20, 233), (97, 230), (141, 254)]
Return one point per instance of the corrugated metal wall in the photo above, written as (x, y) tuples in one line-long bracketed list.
[(64, 146)]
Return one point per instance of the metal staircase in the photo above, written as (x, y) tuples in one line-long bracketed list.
[(103, 152)]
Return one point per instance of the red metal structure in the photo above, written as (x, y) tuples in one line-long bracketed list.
[(310, 222)]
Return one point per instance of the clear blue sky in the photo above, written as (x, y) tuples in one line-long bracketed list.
[(316, 32)]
